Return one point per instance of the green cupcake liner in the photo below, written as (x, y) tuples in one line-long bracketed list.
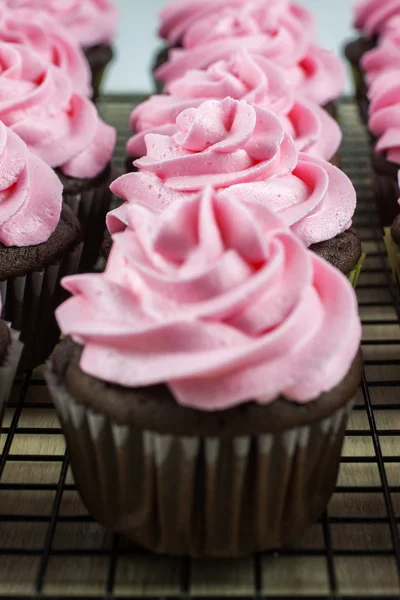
[(355, 273)]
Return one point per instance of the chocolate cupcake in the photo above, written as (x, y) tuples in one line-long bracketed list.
[(254, 79), (244, 152), (199, 361), (39, 244), (90, 24), (64, 129)]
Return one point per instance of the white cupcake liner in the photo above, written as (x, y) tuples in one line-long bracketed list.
[(201, 496), (29, 302)]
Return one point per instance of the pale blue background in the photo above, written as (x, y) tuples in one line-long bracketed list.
[(137, 40)]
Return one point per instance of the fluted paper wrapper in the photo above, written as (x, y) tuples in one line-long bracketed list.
[(193, 496), (386, 190), (29, 302), (90, 206), (393, 252), (9, 368)]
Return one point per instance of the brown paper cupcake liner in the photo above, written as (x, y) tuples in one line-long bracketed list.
[(387, 194), (195, 496), (29, 302), (9, 368), (393, 252), (90, 206)]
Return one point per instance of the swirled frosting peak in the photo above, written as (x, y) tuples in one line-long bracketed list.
[(30, 194), (89, 22), (372, 16), (37, 101), (177, 17), (283, 35), (385, 57), (247, 77), (316, 199), (220, 143), (40, 32), (218, 300), (384, 118)]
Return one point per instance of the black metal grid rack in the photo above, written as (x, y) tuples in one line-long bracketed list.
[(51, 547)]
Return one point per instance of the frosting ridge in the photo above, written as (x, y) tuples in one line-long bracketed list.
[(247, 77), (90, 22), (37, 101), (30, 194), (41, 32)]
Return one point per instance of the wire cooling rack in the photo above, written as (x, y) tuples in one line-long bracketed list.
[(51, 547)]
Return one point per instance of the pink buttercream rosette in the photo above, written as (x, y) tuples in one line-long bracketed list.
[(244, 151), (282, 33), (372, 16), (38, 102), (40, 32), (89, 22), (30, 194), (384, 115), (176, 18), (220, 301), (247, 77)]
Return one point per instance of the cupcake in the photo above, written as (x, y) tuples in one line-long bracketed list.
[(10, 354), (39, 244), (252, 78), (38, 102), (42, 34), (204, 411), (384, 124), (243, 151), (91, 24), (281, 34)]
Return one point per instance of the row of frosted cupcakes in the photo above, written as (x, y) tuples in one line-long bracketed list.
[(55, 159), (206, 376), (375, 60)]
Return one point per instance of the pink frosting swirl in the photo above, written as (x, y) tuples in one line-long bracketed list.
[(219, 301), (30, 194), (316, 199), (220, 143), (372, 16), (177, 18), (384, 114), (244, 77), (89, 22), (319, 76), (40, 32), (37, 101), (283, 38)]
